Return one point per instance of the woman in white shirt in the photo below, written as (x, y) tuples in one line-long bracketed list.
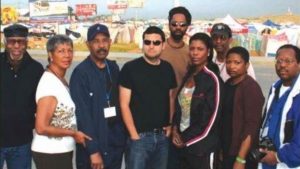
[(56, 128)]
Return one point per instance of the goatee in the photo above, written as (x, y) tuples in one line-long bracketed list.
[(177, 37)]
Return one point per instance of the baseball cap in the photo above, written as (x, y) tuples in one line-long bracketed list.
[(221, 29), (95, 29), (15, 30)]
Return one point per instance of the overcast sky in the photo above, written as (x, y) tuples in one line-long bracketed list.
[(200, 9)]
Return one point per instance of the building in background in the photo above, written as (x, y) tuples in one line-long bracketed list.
[(48, 10)]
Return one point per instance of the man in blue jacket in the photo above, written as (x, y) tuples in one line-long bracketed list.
[(94, 90), (282, 120)]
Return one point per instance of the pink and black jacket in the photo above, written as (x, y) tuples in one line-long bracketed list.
[(202, 135)]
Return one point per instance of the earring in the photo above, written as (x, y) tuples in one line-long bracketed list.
[(50, 59)]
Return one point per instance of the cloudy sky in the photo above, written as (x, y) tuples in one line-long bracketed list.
[(200, 9)]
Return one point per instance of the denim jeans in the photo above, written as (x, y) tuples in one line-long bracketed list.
[(18, 157), (149, 152)]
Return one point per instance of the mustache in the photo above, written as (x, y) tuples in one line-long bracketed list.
[(101, 50)]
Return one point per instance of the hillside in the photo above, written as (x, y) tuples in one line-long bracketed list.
[(285, 18)]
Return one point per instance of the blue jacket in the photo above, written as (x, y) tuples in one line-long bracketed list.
[(88, 91), (289, 133)]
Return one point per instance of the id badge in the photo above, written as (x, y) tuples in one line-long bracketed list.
[(110, 112)]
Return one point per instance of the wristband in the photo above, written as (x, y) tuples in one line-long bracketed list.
[(240, 160)]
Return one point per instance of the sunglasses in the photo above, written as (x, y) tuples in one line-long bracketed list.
[(180, 24), (155, 43), (14, 41)]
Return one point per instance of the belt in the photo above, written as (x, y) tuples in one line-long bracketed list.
[(154, 131), (158, 130)]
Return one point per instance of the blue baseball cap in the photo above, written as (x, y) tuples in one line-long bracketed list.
[(95, 29)]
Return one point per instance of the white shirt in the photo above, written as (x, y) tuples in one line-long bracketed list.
[(185, 100), (63, 117)]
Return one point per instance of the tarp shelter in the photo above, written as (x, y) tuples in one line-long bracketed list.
[(274, 42), (235, 26), (271, 24)]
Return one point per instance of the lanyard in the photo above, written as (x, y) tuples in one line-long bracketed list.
[(108, 93)]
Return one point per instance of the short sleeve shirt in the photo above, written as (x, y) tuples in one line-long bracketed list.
[(63, 116), (150, 86)]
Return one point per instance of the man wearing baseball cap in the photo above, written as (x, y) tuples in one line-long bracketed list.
[(94, 90), (20, 75), (221, 35)]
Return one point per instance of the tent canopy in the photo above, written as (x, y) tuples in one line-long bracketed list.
[(271, 24), (234, 25)]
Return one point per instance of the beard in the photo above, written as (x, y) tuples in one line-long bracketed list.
[(177, 35)]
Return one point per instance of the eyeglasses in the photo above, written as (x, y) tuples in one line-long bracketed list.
[(285, 61), (14, 41), (155, 43), (180, 24)]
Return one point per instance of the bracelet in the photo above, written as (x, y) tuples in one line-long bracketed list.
[(240, 160)]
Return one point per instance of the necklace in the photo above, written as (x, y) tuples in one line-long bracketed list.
[(63, 80)]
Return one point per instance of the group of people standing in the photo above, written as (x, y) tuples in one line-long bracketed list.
[(183, 107)]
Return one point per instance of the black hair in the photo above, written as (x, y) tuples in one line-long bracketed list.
[(203, 37), (155, 30), (180, 10), (243, 52), (293, 47)]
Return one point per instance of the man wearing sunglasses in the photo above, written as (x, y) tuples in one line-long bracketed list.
[(20, 75), (221, 35), (146, 84), (176, 51), (177, 54)]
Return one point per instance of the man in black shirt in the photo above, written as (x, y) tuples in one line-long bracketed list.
[(20, 75), (147, 105)]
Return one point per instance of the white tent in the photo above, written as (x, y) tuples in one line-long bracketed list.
[(234, 25)]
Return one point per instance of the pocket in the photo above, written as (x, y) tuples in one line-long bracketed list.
[(288, 131)]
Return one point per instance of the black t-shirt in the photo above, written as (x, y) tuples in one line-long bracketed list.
[(227, 114), (150, 86)]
